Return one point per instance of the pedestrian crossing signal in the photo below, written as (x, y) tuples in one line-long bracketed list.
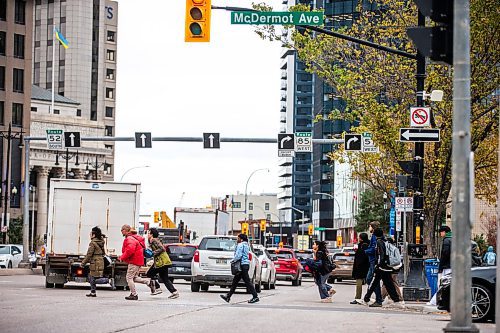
[(197, 25)]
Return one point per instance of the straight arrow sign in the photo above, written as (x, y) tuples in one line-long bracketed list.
[(419, 134), (143, 140)]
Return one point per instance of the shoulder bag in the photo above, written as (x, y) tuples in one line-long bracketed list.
[(236, 267)]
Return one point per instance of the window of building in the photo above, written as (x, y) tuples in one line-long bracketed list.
[(3, 10), (110, 93), (18, 80), (18, 46), (237, 204), (17, 114), (108, 131), (93, 115), (111, 36), (250, 206), (250, 216), (110, 147), (268, 217), (110, 55), (266, 206), (20, 12), (2, 77), (34, 109), (56, 111), (110, 74), (3, 42), (108, 169), (2, 112), (78, 112), (109, 111)]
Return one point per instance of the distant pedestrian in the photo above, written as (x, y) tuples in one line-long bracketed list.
[(161, 263), (361, 266), (394, 275), (382, 271), (444, 258), (95, 257), (322, 271), (476, 259), (371, 251), (490, 257), (133, 254), (241, 255)]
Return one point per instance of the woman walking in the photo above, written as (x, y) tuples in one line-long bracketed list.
[(95, 256), (160, 266), (241, 255), (322, 272), (361, 266)]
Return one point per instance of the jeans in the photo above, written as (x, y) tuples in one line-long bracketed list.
[(163, 272), (386, 277), (323, 287), (242, 275), (369, 278), (95, 280), (133, 276)]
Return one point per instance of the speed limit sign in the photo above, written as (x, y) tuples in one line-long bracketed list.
[(55, 139), (303, 142)]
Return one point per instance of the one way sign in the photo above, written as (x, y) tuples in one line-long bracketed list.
[(143, 140), (211, 140), (419, 134), (71, 139)]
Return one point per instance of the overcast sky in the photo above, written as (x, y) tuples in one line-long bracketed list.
[(172, 88)]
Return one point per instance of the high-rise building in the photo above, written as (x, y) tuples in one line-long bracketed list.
[(85, 71), (16, 31)]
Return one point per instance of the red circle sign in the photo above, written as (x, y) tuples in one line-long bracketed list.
[(419, 116)]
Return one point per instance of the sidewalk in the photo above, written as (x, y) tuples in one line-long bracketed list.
[(20, 271)]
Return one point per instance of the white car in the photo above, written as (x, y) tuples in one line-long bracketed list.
[(211, 265), (268, 276), (10, 255)]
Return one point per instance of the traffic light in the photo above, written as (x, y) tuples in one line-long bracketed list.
[(435, 42), (339, 241), (310, 230), (197, 26), (156, 217), (244, 228), (414, 179), (263, 225), (181, 231), (280, 245)]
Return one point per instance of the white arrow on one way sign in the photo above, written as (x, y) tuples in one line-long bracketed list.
[(351, 140)]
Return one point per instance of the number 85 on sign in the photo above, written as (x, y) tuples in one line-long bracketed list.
[(303, 142)]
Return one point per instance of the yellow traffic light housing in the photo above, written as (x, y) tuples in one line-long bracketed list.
[(263, 225), (244, 228), (310, 230), (156, 217), (197, 25)]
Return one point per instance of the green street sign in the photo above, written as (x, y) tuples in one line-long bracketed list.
[(277, 18), (320, 228)]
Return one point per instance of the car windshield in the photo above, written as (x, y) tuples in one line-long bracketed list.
[(258, 252), (181, 252), (343, 257), (4, 250), (281, 254), (303, 255), (218, 244)]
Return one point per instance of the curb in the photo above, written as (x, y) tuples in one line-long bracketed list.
[(20, 271)]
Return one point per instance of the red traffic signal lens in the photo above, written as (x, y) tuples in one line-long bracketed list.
[(196, 13), (195, 29)]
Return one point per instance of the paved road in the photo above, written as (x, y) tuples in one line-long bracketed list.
[(26, 306)]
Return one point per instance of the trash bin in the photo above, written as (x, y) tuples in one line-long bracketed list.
[(431, 272)]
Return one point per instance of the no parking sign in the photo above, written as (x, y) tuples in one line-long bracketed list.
[(420, 117)]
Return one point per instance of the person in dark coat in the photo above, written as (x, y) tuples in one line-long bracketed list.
[(361, 266), (371, 251), (95, 257), (445, 258)]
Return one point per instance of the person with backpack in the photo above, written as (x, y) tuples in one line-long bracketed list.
[(394, 275), (387, 257), (361, 266), (133, 254), (490, 257), (371, 252), (161, 263), (95, 257), (322, 270)]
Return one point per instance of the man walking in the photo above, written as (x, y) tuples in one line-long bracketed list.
[(133, 255), (371, 251), (444, 258)]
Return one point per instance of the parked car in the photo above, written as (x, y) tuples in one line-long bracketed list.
[(211, 264), (181, 256), (483, 293), (302, 256), (10, 255), (268, 275), (344, 262), (288, 267)]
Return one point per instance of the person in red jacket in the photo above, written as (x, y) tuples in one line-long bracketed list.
[(133, 255)]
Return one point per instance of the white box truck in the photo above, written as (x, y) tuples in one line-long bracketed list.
[(202, 221), (75, 207)]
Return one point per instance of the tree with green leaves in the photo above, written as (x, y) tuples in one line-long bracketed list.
[(371, 208)]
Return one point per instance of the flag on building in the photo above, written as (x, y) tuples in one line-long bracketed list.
[(64, 42)]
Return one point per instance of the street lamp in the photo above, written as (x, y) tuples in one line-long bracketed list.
[(136, 167), (246, 187), (302, 219), (67, 156), (95, 165)]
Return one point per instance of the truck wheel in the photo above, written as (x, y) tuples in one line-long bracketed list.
[(59, 285), (195, 287), (204, 287), (49, 285)]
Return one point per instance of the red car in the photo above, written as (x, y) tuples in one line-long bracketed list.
[(288, 267)]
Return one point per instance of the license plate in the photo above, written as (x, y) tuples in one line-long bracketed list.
[(179, 269), (221, 261), (80, 279)]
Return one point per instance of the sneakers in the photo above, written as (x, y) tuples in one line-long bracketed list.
[(332, 292), (226, 298), (398, 305), (254, 300), (387, 301), (157, 292), (366, 300), (91, 295), (375, 305), (174, 295), (354, 302), (132, 297), (112, 283), (326, 300), (151, 286)]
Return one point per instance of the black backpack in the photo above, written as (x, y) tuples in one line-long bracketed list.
[(329, 264)]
